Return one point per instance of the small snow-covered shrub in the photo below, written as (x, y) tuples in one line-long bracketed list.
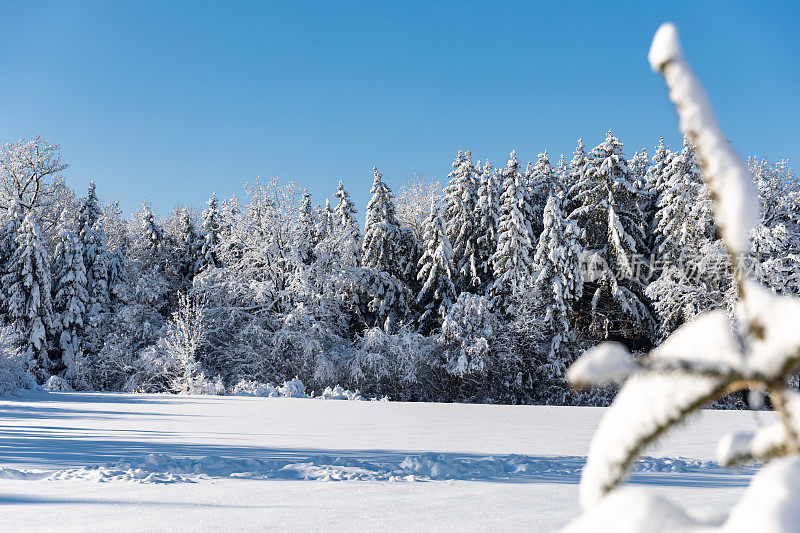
[(202, 385), (248, 387), (338, 393), (467, 329), (13, 376), (289, 389), (293, 389), (393, 364), (56, 384)]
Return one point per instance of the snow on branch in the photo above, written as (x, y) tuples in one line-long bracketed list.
[(735, 198), (608, 363), (707, 357)]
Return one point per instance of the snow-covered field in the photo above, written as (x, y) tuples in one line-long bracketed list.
[(102, 461)]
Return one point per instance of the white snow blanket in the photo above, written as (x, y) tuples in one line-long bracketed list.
[(88, 461)]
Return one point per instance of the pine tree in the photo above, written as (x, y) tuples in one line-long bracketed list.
[(656, 178), (576, 173), (152, 232), (558, 287), (460, 203), (541, 178), (676, 228), (435, 273), (487, 217), (95, 256), (188, 248), (306, 237), (348, 236), (683, 232), (70, 300), (9, 228), (118, 285), (512, 261), (387, 246), (325, 222), (29, 301), (612, 229), (212, 225)]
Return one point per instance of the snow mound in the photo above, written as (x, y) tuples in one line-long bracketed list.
[(160, 468), (290, 389), (339, 393), (56, 383)]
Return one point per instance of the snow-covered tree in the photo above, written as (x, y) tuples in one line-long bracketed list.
[(346, 231), (307, 231), (10, 222), (95, 254), (324, 221), (487, 218), (460, 203), (413, 201), (387, 246), (655, 180), (187, 249), (776, 241), (683, 237), (70, 300), (512, 261), (29, 169), (613, 233), (28, 283), (212, 225), (559, 282), (435, 273), (540, 180), (576, 173)]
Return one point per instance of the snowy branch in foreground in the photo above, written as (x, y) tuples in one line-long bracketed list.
[(708, 357), (732, 189)]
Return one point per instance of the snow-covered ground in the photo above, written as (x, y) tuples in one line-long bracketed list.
[(89, 461)]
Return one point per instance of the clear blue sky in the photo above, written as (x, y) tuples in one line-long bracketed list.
[(170, 101)]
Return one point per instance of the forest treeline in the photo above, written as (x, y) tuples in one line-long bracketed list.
[(483, 291)]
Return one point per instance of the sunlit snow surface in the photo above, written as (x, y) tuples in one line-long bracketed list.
[(78, 461)]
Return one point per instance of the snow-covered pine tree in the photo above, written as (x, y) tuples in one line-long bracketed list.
[(676, 228), (683, 235), (576, 173), (460, 202), (558, 288), (487, 218), (387, 246), (776, 241), (325, 222), (540, 179), (188, 248), (435, 273), (152, 233), (656, 177), (512, 260), (638, 166), (70, 301), (118, 285), (95, 259), (612, 231), (30, 309), (307, 236), (348, 235), (9, 228), (212, 225)]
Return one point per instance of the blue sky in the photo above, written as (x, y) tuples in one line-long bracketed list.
[(171, 101)]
